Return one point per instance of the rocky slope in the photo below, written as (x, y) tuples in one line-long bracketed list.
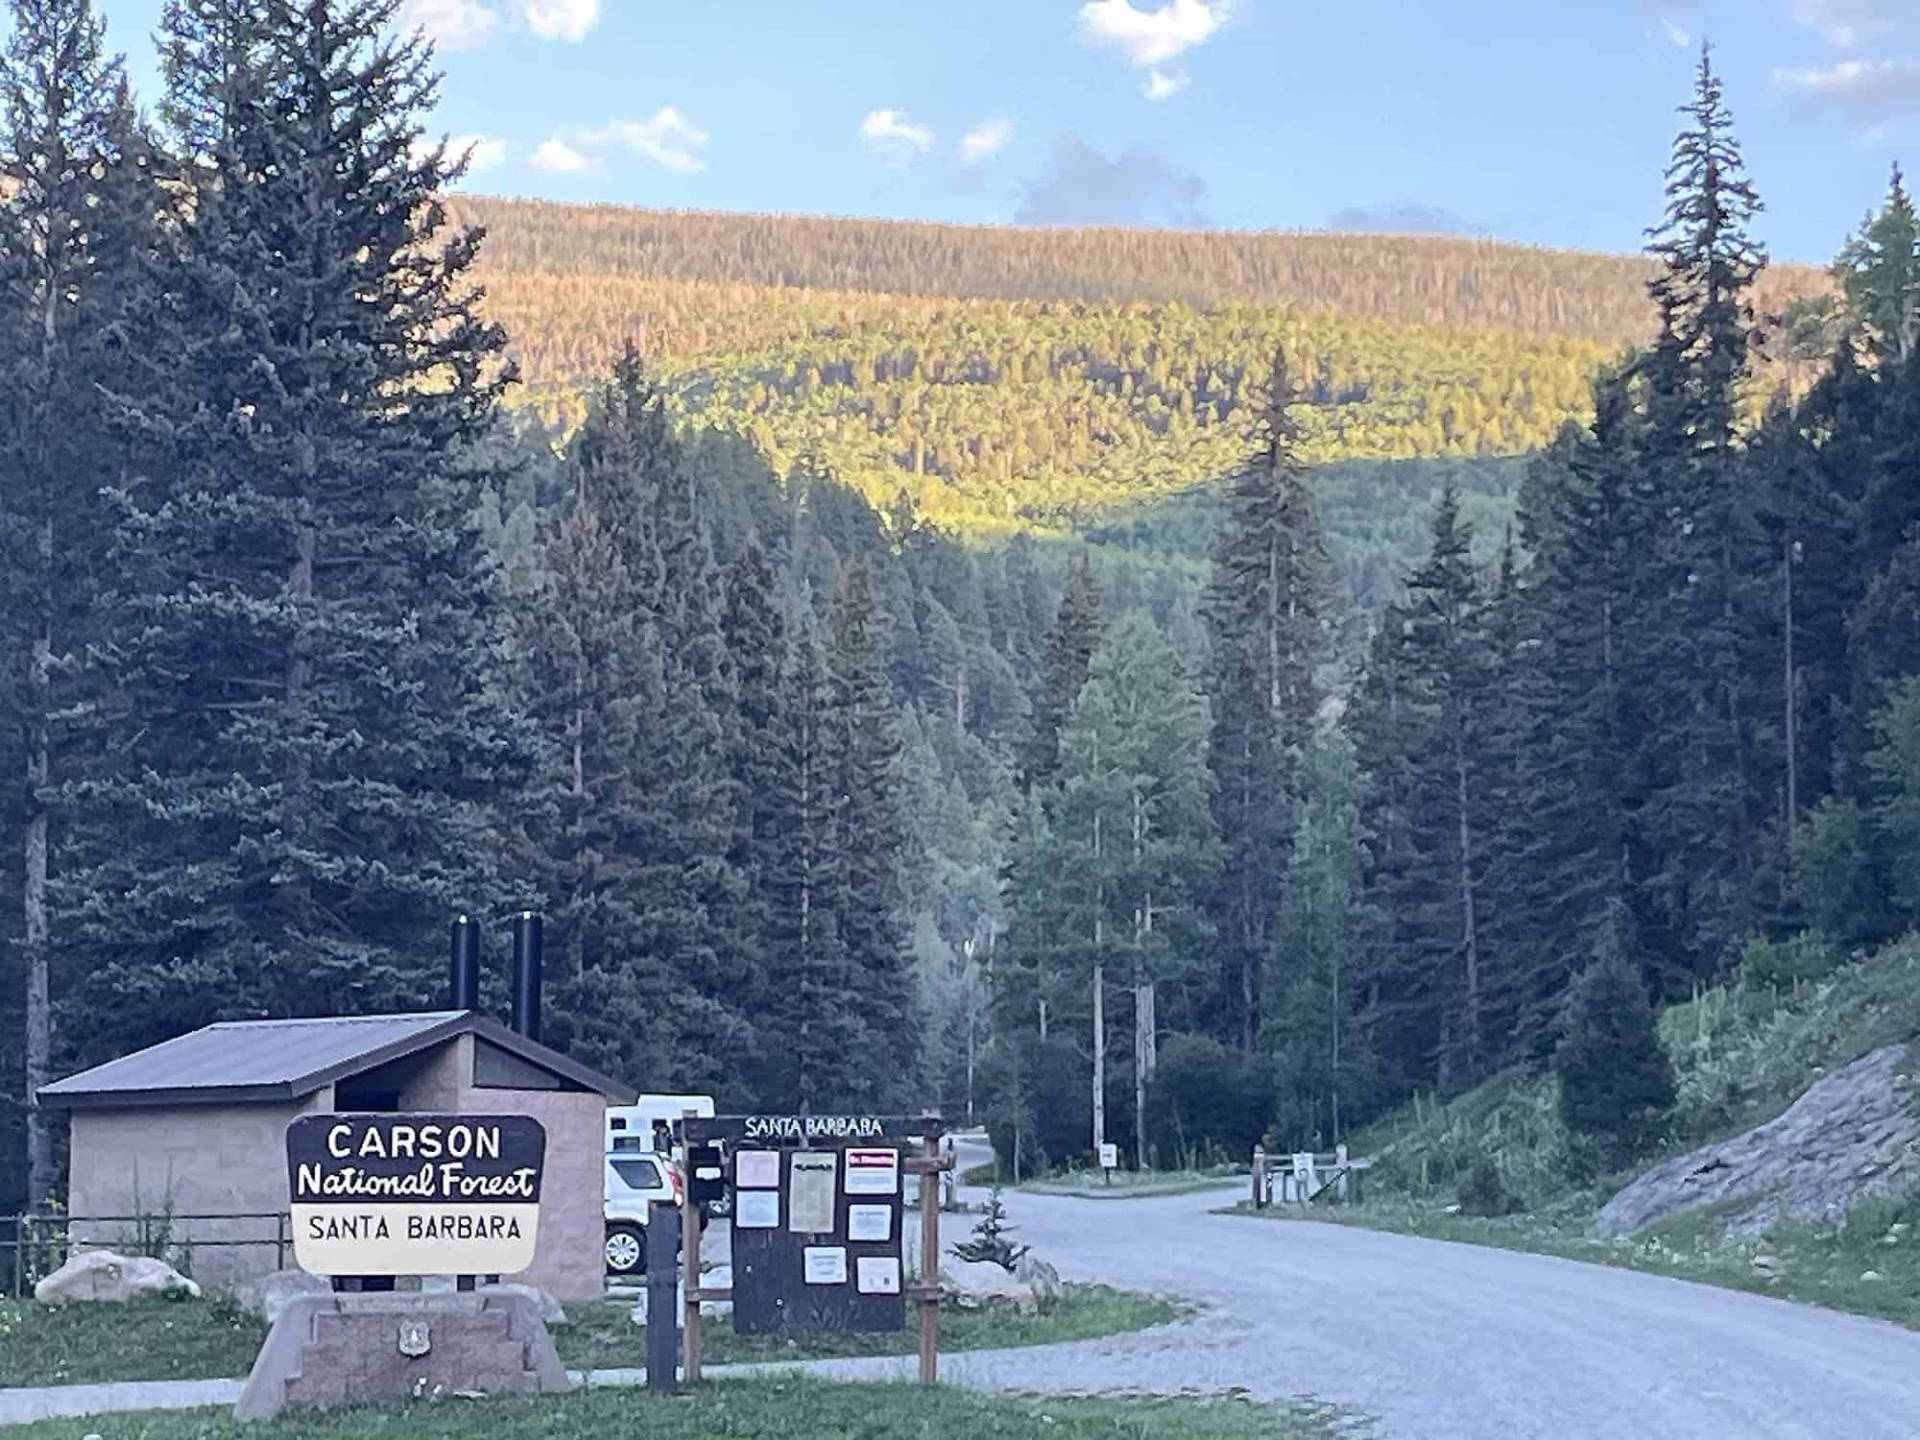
[(1853, 1135)]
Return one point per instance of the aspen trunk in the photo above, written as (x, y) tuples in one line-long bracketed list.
[(1099, 1058), (39, 1007)]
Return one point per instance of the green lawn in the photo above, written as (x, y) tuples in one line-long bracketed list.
[(750, 1410), (189, 1340), (1131, 1184), (603, 1338), (1870, 1266)]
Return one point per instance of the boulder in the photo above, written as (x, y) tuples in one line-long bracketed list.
[(975, 1284), (550, 1312), (268, 1295), (102, 1275), (1042, 1279), (1852, 1136)]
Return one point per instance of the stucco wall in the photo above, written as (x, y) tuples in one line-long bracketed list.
[(211, 1160), (570, 1259)]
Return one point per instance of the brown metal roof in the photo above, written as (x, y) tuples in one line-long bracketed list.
[(243, 1061)]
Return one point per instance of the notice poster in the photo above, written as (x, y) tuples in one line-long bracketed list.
[(811, 1192), (756, 1209), (877, 1275), (870, 1223), (873, 1172), (757, 1170), (825, 1265)]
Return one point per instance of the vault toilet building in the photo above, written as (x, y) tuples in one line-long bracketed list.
[(195, 1128)]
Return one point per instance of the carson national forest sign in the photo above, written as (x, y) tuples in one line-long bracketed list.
[(415, 1194)]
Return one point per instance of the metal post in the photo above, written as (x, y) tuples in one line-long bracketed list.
[(1259, 1177), (528, 946), (463, 966), (663, 1304)]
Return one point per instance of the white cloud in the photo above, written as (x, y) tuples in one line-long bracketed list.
[(1866, 89), (1847, 23), (561, 19), (894, 138), (1161, 84), (450, 24), (1150, 38), (667, 138), (985, 140), (557, 157), (1677, 36), (483, 152)]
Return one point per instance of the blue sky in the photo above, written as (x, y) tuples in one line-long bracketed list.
[(1543, 121)]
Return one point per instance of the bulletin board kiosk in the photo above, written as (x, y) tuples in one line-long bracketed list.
[(819, 1224)]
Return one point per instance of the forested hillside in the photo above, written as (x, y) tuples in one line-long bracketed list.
[(1291, 794), (995, 417), (1396, 279)]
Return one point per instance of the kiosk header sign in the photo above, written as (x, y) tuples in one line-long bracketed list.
[(415, 1194)]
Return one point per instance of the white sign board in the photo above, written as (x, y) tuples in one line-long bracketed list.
[(825, 1265), (873, 1172), (812, 1192), (756, 1209), (1109, 1156), (877, 1275), (415, 1194), (757, 1170), (870, 1223)]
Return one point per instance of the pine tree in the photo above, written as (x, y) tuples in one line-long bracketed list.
[(1430, 981), (756, 640), (644, 988), (1707, 548), (306, 732), (1880, 271), (1309, 1035), (1137, 850), (1071, 641), (1268, 616), (1615, 1079), (72, 171), (812, 1033), (865, 837), (1572, 691)]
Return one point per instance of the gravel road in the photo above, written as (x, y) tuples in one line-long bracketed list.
[(1449, 1342)]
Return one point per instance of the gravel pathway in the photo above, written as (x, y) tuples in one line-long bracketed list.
[(1453, 1342)]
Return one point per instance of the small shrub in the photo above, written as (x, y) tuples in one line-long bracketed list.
[(1782, 964), (1484, 1193), (991, 1242), (1615, 1079), (1838, 878)]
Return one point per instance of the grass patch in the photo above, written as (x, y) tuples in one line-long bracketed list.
[(148, 1340), (185, 1340), (750, 1410), (1820, 1265), (601, 1337), (1132, 1184)]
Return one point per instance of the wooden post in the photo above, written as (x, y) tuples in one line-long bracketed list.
[(689, 1264), (1259, 1177), (930, 1264)]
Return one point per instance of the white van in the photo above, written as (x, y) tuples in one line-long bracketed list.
[(642, 1168), (634, 1127)]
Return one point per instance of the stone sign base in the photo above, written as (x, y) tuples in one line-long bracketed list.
[(326, 1351)]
